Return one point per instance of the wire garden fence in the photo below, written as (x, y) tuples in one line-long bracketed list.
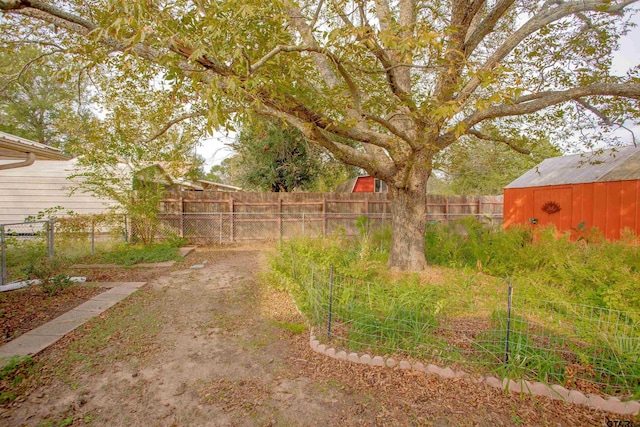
[(590, 349), (22, 244)]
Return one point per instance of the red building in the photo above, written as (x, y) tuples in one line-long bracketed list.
[(601, 191), (362, 184)]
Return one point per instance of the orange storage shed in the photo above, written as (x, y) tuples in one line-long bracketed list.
[(600, 190), (362, 184)]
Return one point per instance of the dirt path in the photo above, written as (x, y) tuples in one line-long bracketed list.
[(210, 347)]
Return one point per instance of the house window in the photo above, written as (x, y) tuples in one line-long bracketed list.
[(379, 186)]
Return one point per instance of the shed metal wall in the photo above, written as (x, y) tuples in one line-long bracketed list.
[(609, 206)]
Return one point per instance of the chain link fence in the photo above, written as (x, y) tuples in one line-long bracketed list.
[(71, 238), (23, 243), (590, 349)]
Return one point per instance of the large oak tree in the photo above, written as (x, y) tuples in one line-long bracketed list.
[(400, 80)]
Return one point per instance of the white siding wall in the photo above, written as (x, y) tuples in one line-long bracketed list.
[(28, 190)]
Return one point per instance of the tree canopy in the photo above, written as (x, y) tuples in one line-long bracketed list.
[(35, 101), (399, 80), (476, 166), (270, 156)]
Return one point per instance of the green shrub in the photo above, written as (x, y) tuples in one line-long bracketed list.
[(51, 273), (23, 253)]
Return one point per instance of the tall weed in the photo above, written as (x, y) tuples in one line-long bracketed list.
[(597, 272), (566, 324)]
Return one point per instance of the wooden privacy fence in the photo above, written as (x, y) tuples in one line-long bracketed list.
[(208, 216)]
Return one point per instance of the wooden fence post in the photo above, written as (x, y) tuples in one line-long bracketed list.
[(324, 216), (232, 223), (366, 209), (181, 201), (446, 208), (280, 217)]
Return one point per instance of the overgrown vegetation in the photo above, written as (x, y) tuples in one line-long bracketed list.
[(20, 254), (126, 254), (575, 312), (51, 274), (27, 255), (590, 270)]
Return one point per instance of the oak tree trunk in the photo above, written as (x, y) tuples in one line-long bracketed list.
[(409, 221)]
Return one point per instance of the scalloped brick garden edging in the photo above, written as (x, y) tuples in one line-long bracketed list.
[(555, 392)]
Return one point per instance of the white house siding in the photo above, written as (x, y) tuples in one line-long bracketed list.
[(28, 190)]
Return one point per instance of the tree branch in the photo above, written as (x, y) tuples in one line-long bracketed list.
[(507, 142), (316, 15), (16, 5), (36, 42), (633, 135), (187, 52), (606, 120), (486, 26), (301, 111), (390, 127), (345, 19), (462, 14), (395, 83), (384, 14), (595, 111), (306, 33), (543, 100), (173, 122), (345, 153), (280, 49), (24, 69), (546, 17)]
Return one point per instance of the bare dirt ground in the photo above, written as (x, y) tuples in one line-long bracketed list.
[(209, 347), (26, 309)]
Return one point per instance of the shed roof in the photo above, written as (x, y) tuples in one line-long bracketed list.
[(347, 186), (616, 164), (222, 187), (15, 147)]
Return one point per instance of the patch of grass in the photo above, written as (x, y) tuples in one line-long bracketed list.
[(134, 254), (78, 249), (65, 422), (295, 328), (13, 364), (125, 333), (257, 342), (12, 377)]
